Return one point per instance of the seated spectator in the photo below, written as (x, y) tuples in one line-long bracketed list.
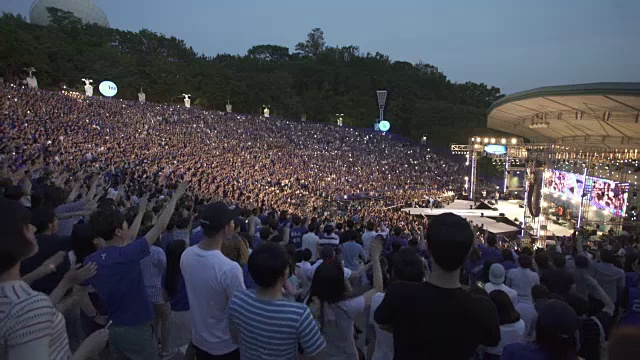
[(263, 322), (425, 316), (496, 282), (512, 328), (522, 278), (555, 335)]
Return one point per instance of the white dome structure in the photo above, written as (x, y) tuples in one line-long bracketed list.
[(86, 10)]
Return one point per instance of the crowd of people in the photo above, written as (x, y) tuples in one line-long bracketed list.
[(146, 231)]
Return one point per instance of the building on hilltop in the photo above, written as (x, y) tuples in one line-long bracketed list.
[(86, 10)]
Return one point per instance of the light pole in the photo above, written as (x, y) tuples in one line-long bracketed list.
[(88, 88), (339, 119), (382, 99)]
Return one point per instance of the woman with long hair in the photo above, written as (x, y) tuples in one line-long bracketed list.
[(179, 324), (335, 307), (512, 328)]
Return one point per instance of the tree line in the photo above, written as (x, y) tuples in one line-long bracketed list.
[(317, 80)]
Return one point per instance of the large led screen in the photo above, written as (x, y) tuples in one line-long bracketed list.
[(605, 194)]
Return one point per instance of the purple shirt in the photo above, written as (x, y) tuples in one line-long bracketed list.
[(490, 254), (119, 282)]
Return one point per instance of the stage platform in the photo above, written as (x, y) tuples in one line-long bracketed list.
[(510, 208)]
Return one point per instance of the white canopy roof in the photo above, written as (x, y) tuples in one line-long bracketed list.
[(595, 115)]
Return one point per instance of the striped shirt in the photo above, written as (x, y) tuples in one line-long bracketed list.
[(30, 326), (153, 268), (272, 329)]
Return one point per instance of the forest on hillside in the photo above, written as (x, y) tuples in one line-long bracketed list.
[(314, 78)]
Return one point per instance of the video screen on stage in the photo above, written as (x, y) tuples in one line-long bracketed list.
[(605, 194), (566, 183), (609, 195)]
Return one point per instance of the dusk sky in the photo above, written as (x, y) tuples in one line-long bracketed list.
[(515, 45)]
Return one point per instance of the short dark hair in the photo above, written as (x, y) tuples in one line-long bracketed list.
[(407, 265), (14, 245), (449, 239), (539, 292), (307, 254), (581, 262), (558, 260), (41, 218), (267, 264), (370, 226), (492, 241), (105, 221)]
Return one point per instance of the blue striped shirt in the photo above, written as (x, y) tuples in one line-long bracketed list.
[(272, 329)]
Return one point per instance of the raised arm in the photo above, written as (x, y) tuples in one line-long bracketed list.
[(164, 218), (137, 222)]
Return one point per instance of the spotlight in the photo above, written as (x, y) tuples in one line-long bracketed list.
[(504, 141), (486, 140), (514, 140)]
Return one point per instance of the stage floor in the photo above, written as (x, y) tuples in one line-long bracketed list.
[(510, 208)]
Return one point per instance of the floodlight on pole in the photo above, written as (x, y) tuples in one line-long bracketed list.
[(382, 99)]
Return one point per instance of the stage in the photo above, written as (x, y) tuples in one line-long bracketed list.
[(510, 208)]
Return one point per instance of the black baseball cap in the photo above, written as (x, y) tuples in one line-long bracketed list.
[(217, 215)]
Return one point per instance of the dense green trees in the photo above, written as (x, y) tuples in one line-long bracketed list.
[(317, 80)]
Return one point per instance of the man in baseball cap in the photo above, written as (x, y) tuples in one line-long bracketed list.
[(211, 279)]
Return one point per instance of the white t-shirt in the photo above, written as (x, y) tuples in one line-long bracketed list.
[(513, 295), (210, 279), (384, 339), (509, 334), (338, 328), (310, 241)]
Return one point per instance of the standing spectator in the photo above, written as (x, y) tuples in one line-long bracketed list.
[(496, 282), (211, 280), (336, 309), (262, 321), (490, 252), (329, 238), (119, 281), (555, 336), (310, 241), (557, 278), (352, 252), (424, 317), (30, 326), (508, 261), (49, 244), (180, 324), (367, 238), (512, 328), (608, 276), (154, 267), (297, 232), (522, 278), (408, 266)]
